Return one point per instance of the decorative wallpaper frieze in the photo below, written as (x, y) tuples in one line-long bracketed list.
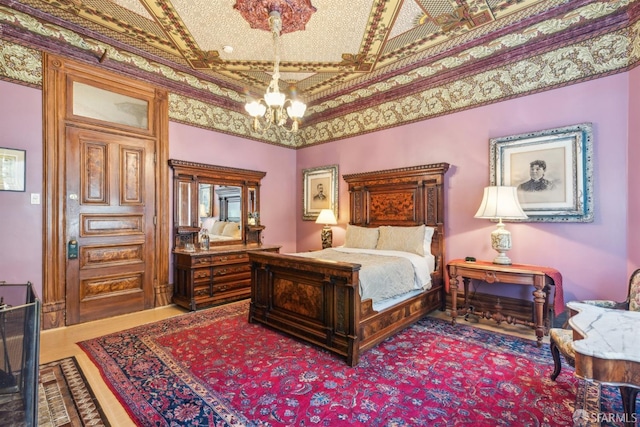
[(605, 54), (194, 112), (20, 63)]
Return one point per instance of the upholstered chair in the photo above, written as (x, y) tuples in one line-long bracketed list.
[(561, 340)]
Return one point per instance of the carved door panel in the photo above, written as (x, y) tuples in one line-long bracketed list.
[(109, 206)]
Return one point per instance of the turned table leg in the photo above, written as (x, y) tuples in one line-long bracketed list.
[(539, 299), (453, 290)]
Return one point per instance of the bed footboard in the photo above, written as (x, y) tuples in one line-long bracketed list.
[(315, 300), (319, 302)]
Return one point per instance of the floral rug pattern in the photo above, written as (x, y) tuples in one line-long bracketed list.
[(213, 368)]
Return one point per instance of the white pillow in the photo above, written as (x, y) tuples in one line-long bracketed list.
[(361, 237), (406, 239), (218, 228), (428, 235), (208, 222), (231, 229)]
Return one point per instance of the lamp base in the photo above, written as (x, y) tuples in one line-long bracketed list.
[(501, 243), (327, 237), (502, 259)]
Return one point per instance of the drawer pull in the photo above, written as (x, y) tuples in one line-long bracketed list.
[(490, 277)]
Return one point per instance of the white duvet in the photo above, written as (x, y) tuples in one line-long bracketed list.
[(383, 274)]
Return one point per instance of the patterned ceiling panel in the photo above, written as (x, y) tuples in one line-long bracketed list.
[(346, 64), (136, 7)]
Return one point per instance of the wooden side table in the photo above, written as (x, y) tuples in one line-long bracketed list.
[(519, 274)]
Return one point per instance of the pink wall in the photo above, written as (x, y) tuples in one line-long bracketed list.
[(591, 256), (20, 221)]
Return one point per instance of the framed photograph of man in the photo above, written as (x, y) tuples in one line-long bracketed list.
[(552, 169), (319, 191)]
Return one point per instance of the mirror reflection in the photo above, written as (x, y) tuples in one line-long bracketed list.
[(183, 205), (220, 211)]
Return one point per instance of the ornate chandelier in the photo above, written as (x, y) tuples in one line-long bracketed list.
[(274, 108)]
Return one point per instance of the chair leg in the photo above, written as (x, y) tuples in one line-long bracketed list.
[(557, 363)]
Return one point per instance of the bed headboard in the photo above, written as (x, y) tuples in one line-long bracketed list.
[(405, 197)]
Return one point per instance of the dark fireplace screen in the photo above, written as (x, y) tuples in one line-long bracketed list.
[(19, 350)]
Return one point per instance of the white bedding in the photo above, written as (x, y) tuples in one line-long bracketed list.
[(220, 238), (392, 287)]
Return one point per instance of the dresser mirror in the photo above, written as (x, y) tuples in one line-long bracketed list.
[(219, 202)]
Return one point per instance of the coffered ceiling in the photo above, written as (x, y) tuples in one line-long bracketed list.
[(360, 65)]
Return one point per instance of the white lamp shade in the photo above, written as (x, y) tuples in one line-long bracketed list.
[(327, 217), (296, 109), (500, 203), (255, 109), (274, 99)]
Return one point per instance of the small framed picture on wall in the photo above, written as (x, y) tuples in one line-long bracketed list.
[(12, 169), (319, 191)]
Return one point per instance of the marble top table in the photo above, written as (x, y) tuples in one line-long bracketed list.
[(608, 333), (608, 350)]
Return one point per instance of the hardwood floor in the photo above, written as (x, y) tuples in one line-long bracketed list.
[(59, 343)]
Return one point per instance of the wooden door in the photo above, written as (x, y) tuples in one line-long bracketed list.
[(110, 198)]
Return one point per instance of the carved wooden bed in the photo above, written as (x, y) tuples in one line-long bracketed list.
[(319, 301)]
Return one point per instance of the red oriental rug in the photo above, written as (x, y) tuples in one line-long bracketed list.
[(213, 368)]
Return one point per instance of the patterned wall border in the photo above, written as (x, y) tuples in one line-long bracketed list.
[(20, 64), (603, 55), (201, 114)]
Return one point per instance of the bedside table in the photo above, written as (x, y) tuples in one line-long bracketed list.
[(520, 274)]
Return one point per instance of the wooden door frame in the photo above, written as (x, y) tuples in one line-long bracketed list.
[(56, 70)]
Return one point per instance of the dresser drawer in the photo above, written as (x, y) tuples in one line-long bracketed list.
[(201, 274), (223, 259), (224, 270), (202, 291), (200, 260), (232, 285)]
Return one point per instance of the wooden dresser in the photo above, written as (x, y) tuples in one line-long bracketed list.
[(212, 268), (217, 276)]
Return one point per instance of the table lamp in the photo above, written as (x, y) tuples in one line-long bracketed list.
[(500, 203), (327, 218)]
